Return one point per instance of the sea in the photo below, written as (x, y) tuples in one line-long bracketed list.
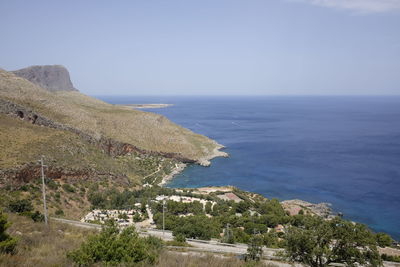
[(343, 150)]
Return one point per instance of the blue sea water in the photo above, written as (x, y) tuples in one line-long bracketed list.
[(344, 150)]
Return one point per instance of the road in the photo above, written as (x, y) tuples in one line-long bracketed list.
[(213, 245)]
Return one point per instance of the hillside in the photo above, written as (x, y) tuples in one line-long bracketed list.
[(85, 143), (103, 122)]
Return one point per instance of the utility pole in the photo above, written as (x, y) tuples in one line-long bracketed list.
[(163, 216), (228, 234), (44, 192)]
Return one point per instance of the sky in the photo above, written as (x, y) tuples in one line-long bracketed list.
[(209, 47)]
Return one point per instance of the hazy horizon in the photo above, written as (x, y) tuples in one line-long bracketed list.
[(223, 47)]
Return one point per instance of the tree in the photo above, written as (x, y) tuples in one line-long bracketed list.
[(228, 237), (208, 207), (113, 247), (7, 243), (383, 240), (319, 243), (254, 249), (198, 226)]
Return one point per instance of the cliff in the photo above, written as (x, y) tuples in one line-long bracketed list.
[(50, 77)]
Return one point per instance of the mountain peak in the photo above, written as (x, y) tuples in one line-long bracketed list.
[(50, 77)]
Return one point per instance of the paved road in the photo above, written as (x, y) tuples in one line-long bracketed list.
[(203, 245), (197, 245)]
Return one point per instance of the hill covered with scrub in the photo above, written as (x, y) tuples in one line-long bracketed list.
[(85, 140)]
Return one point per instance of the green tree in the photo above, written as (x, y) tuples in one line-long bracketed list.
[(383, 240), (254, 249), (208, 207), (319, 243), (229, 236), (7, 243), (113, 247), (198, 226)]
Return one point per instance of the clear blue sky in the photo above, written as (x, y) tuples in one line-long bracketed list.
[(206, 47)]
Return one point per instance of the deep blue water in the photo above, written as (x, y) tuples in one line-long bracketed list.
[(341, 150)]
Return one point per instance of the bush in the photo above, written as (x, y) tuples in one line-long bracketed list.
[(383, 240), (37, 216), (52, 184), (59, 212), (112, 247), (20, 205), (68, 188), (7, 243), (180, 238), (392, 258)]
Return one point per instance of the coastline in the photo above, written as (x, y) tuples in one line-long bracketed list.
[(293, 206), (140, 106), (177, 170), (205, 162)]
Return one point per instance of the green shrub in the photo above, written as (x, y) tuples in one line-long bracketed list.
[(37, 216), (7, 243), (180, 238), (392, 258), (20, 205), (112, 247), (51, 184), (59, 212), (24, 188), (383, 240), (68, 188)]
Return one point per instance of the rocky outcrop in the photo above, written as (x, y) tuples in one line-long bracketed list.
[(18, 176), (294, 206), (50, 77)]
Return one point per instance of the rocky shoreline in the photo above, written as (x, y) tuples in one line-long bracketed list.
[(206, 161), (293, 206), (177, 170)]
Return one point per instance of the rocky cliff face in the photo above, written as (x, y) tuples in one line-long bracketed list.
[(49, 77)]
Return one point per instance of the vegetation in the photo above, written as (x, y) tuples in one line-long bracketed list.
[(383, 240), (20, 205), (25, 143), (392, 258), (7, 243), (149, 131), (113, 246), (318, 243), (254, 250)]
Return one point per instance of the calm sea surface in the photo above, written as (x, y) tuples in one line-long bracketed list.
[(341, 150)]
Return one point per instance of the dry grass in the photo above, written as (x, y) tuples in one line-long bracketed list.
[(146, 130), (22, 142), (186, 259), (47, 246), (40, 245)]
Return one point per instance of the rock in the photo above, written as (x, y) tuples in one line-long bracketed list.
[(50, 77)]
